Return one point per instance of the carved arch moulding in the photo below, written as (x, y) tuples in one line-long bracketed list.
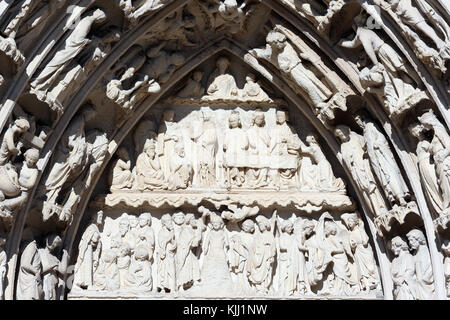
[(280, 149)]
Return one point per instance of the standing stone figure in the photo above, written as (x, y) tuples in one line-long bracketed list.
[(422, 265), (89, 252), (243, 250), (167, 247), (383, 161), (264, 256), (235, 146), (353, 153), (168, 136), (288, 260), (74, 44), (259, 149), (440, 149), (362, 252), (427, 168), (207, 145), (402, 270), (284, 148), (188, 270), (146, 236), (29, 282), (390, 77), (53, 270), (282, 54)]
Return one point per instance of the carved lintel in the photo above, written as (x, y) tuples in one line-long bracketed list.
[(305, 201)]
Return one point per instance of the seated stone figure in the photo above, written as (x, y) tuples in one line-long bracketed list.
[(107, 277), (148, 169), (180, 169), (140, 272)]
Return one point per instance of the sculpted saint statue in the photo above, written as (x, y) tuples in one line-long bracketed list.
[(148, 169), (74, 44), (402, 270), (422, 265), (427, 168), (235, 146), (193, 88), (288, 260), (284, 148), (252, 90), (107, 277), (139, 277), (440, 149), (242, 252), (121, 176), (89, 252), (353, 153), (261, 265), (390, 71), (168, 136), (282, 54), (362, 252), (259, 149), (167, 247), (53, 270), (207, 145), (29, 282), (383, 161), (181, 170), (146, 236), (223, 85)]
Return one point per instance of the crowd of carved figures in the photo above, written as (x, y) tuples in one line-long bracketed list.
[(397, 54), (301, 256), (265, 155)]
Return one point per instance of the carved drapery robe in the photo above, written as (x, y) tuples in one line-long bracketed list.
[(29, 282), (188, 270), (166, 260)]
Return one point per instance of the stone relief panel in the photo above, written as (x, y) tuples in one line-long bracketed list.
[(197, 252)]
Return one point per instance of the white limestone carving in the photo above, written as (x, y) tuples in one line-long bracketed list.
[(74, 45), (439, 149), (53, 269), (148, 169), (362, 252), (29, 281), (353, 154), (288, 259), (402, 270), (422, 265), (390, 77), (121, 175), (385, 166), (167, 247), (411, 21), (135, 12)]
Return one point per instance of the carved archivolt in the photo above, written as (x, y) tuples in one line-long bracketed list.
[(224, 148)]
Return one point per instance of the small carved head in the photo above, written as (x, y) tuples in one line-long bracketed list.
[(133, 222), (235, 120), (99, 16), (150, 148), (216, 222), (282, 116), (342, 132), (350, 220), (416, 129), (141, 253), (259, 118), (179, 218), (31, 157), (287, 226), (263, 223), (416, 238), (124, 225), (312, 139), (308, 227), (190, 219), (166, 221), (398, 245), (177, 60), (197, 76), (276, 39), (98, 218), (124, 250), (145, 219), (53, 241), (22, 125), (248, 226), (330, 228)]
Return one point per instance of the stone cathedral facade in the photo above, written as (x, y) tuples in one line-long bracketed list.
[(276, 149)]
